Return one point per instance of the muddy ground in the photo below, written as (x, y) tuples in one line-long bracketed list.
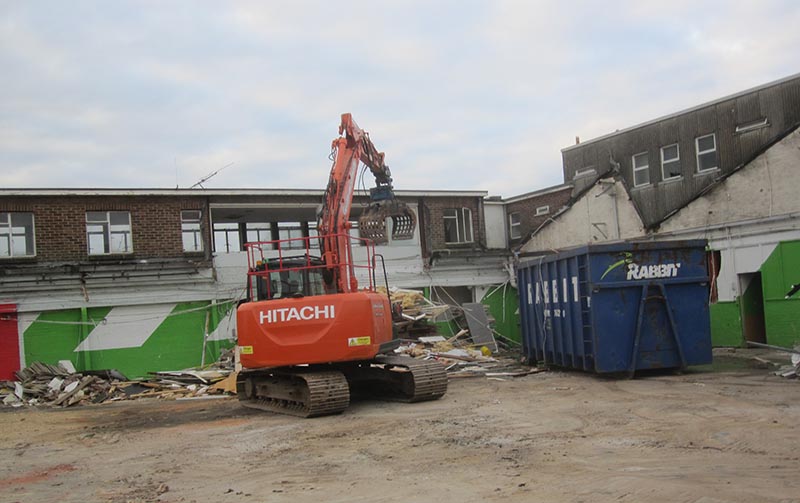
[(727, 434)]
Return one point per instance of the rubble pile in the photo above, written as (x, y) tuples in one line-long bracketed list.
[(467, 360), (417, 312), (61, 385), (791, 371)]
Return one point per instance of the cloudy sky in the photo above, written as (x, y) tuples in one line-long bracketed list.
[(473, 95)]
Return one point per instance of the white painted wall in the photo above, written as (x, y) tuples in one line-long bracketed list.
[(603, 213), (768, 186)]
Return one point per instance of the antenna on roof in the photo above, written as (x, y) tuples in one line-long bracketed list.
[(208, 176)]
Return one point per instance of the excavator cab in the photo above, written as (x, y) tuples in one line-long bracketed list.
[(292, 277), (385, 207)]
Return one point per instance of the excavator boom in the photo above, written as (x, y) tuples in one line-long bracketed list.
[(308, 336)]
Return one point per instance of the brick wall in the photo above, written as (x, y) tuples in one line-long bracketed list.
[(60, 224), (526, 208), (433, 227)]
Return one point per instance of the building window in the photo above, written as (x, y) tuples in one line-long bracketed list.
[(752, 125), (226, 238), (108, 232), (514, 225), (190, 230), (16, 235), (670, 162), (641, 170), (587, 171), (706, 153), (458, 225), (291, 230), (259, 232), (313, 233), (542, 210)]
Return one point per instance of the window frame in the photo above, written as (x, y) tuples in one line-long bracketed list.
[(291, 230), (262, 230), (108, 233), (196, 233), (222, 228), (10, 226), (645, 168), (542, 210), (462, 216), (677, 159), (514, 231), (704, 152), (584, 172)]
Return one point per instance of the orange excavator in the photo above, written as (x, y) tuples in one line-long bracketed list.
[(309, 336)]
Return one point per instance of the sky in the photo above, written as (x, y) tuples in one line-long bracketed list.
[(460, 95)]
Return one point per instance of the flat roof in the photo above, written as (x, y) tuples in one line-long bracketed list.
[(222, 192), (686, 111), (540, 192)]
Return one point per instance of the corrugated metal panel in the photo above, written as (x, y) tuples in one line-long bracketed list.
[(791, 102), (771, 105), (706, 121), (780, 103), (728, 150)]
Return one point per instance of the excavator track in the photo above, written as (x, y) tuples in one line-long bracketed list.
[(400, 379), (303, 393)]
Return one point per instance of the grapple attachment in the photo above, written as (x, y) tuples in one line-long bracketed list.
[(372, 224)]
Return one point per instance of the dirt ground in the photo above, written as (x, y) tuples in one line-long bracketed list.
[(727, 434)]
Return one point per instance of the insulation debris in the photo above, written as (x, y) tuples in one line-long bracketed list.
[(469, 362), (57, 385)]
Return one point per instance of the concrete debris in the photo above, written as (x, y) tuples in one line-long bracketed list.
[(791, 371), (56, 385)]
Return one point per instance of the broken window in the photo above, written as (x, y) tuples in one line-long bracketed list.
[(641, 170), (190, 230), (587, 171), (670, 162), (226, 238), (16, 235), (108, 232), (706, 153), (513, 225), (458, 225)]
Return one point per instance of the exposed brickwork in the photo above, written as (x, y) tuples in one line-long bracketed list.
[(434, 226), (60, 224), (526, 208)]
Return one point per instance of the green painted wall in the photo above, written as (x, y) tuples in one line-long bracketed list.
[(503, 303), (443, 328), (177, 343), (778, 273), (55, 335), (726, 325)]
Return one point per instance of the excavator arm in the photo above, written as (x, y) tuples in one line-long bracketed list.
[(351, 148)]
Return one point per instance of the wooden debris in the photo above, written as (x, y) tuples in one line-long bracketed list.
[(55, 385)]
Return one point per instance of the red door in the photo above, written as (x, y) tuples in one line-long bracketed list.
[(9, 342)]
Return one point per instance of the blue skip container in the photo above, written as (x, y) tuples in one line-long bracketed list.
[(618, 307)]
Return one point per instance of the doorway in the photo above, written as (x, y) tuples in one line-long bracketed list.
[(751, 303)]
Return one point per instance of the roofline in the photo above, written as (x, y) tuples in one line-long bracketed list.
[(540, 192), (686, 111), (221, 192)]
